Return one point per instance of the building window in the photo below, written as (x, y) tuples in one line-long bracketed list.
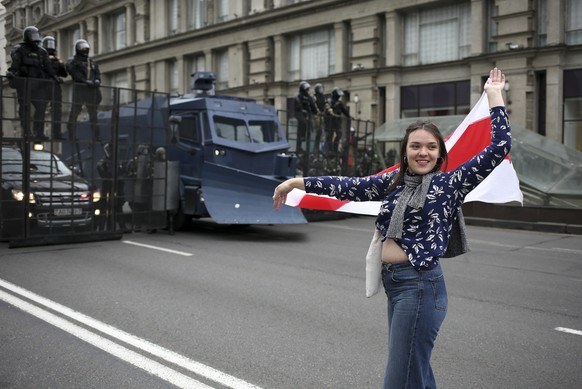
[(542, 23), (54, 8), (69, 37), (222, 10), (440, 99), (437, 35), (68, 5), (195, 64), (20, 18), (196, 14), (491, 26), (37, 13), (173, 78), (573, 108), (222, 69), (283, 3), (312, 55), (173, 16), (120, 80), (118, 31), (573, 22)]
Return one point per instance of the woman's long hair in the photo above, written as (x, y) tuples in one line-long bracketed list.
[(443, 155)]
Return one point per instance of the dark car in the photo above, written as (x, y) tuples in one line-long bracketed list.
[(57, 198)]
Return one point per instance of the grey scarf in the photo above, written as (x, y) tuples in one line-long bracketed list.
[(414, 194)]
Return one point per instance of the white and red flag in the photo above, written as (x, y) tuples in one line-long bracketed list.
[(468, 140)]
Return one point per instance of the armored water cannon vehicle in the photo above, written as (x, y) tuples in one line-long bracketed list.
[(231, 152)]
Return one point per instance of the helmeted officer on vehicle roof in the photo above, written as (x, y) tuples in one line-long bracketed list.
[(87, 77), (304, 110), (29, 74), (55, 97)]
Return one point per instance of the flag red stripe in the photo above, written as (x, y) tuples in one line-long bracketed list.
[(321, 203), (474, 139)]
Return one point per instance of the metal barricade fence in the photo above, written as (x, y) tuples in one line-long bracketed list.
[(83, 173), (352, 154)]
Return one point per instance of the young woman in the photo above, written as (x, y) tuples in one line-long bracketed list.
[(420, 205)]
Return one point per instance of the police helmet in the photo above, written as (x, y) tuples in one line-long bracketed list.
[(319, 88), (31, 35), (50, 44), (304, 86), (337, 92), (81, 45)]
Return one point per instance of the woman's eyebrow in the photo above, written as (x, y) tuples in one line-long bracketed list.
[(417, 143)]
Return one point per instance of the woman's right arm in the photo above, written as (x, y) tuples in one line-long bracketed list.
[(283, 189), (369, 188)]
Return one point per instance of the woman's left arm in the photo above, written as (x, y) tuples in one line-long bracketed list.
[(472, 172)]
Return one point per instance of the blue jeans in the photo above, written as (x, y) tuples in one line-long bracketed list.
[(417, 305)]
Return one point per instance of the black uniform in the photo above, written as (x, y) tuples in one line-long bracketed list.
[(335, 125), (56, 93), (112, 199), (304, 109), (87, 77), (29, 74), (324, 111)]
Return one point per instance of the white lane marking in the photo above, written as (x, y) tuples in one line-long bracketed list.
[(554, 249), (489, 243), (138, 360), (142, 344), (568, 330), (149, 246)]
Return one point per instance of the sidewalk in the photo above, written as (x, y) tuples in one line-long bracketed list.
[(547, 219)]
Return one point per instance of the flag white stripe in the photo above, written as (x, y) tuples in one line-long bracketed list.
[(501, 186)]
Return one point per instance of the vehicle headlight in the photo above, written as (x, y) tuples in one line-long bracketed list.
[(96, 196), (18, 195)]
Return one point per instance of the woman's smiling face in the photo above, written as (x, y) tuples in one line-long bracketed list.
[(422, 151)]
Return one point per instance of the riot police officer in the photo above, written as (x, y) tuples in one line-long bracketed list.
[(29, 74), (304, 109), (87, 77), (339, 109), (112, 191), (55, 98), (324, 111)]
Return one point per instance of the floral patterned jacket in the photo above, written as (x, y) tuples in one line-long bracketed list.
[(426, 231)]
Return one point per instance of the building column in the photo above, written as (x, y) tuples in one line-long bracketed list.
[(142, 25), (182, 16), (555, 12), (182, 85), (129, 25), (479, 22), (555, 94), (280, 58), (260, 61), (210, 61), (341, 47), (393, 45), (89, 30), (237, 65), (365, 51)]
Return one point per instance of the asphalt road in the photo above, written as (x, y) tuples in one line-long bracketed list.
[(279, 307)]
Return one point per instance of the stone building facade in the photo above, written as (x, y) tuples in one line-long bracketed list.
[(401, 58)]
